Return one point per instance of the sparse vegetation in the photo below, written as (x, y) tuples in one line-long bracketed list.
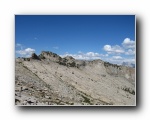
[(71, 103), (86, 100), (41, 56), (129, 90), (103, 75), (72, 64), (107, 64), (26, 68)]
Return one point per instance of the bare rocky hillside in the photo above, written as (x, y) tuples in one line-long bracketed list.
[(48, 79)]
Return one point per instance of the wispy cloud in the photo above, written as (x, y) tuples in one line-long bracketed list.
[(35, 38), (56, 47), (117, 57), (19, 46)]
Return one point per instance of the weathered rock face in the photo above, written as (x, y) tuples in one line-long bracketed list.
[(120, 71), (34, 56), (50, 56), (69, 61), (53, 80)]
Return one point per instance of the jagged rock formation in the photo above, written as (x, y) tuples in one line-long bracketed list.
[(48, 79), (34, 56), (49, 56)]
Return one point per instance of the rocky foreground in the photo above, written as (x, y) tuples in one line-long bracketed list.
[(48, 79)]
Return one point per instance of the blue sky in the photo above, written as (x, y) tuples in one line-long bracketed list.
[(107, 37)]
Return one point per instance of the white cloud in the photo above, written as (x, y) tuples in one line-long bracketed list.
[(117, 57), (85, 56), (108, 48), (92, 54), (130, 52), (26, 52), (119, 60), (127, 43), (113, 49), (127, 48)]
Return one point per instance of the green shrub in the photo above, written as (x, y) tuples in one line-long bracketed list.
[(86, 100)]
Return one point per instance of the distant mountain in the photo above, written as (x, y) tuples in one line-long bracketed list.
[(128, 64)]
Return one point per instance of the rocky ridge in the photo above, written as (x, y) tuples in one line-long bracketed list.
[(48, 79)]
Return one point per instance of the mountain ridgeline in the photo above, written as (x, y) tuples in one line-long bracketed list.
[(48, 79)]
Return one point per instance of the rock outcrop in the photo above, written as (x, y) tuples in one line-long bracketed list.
[(50, 56), (34, 56)]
